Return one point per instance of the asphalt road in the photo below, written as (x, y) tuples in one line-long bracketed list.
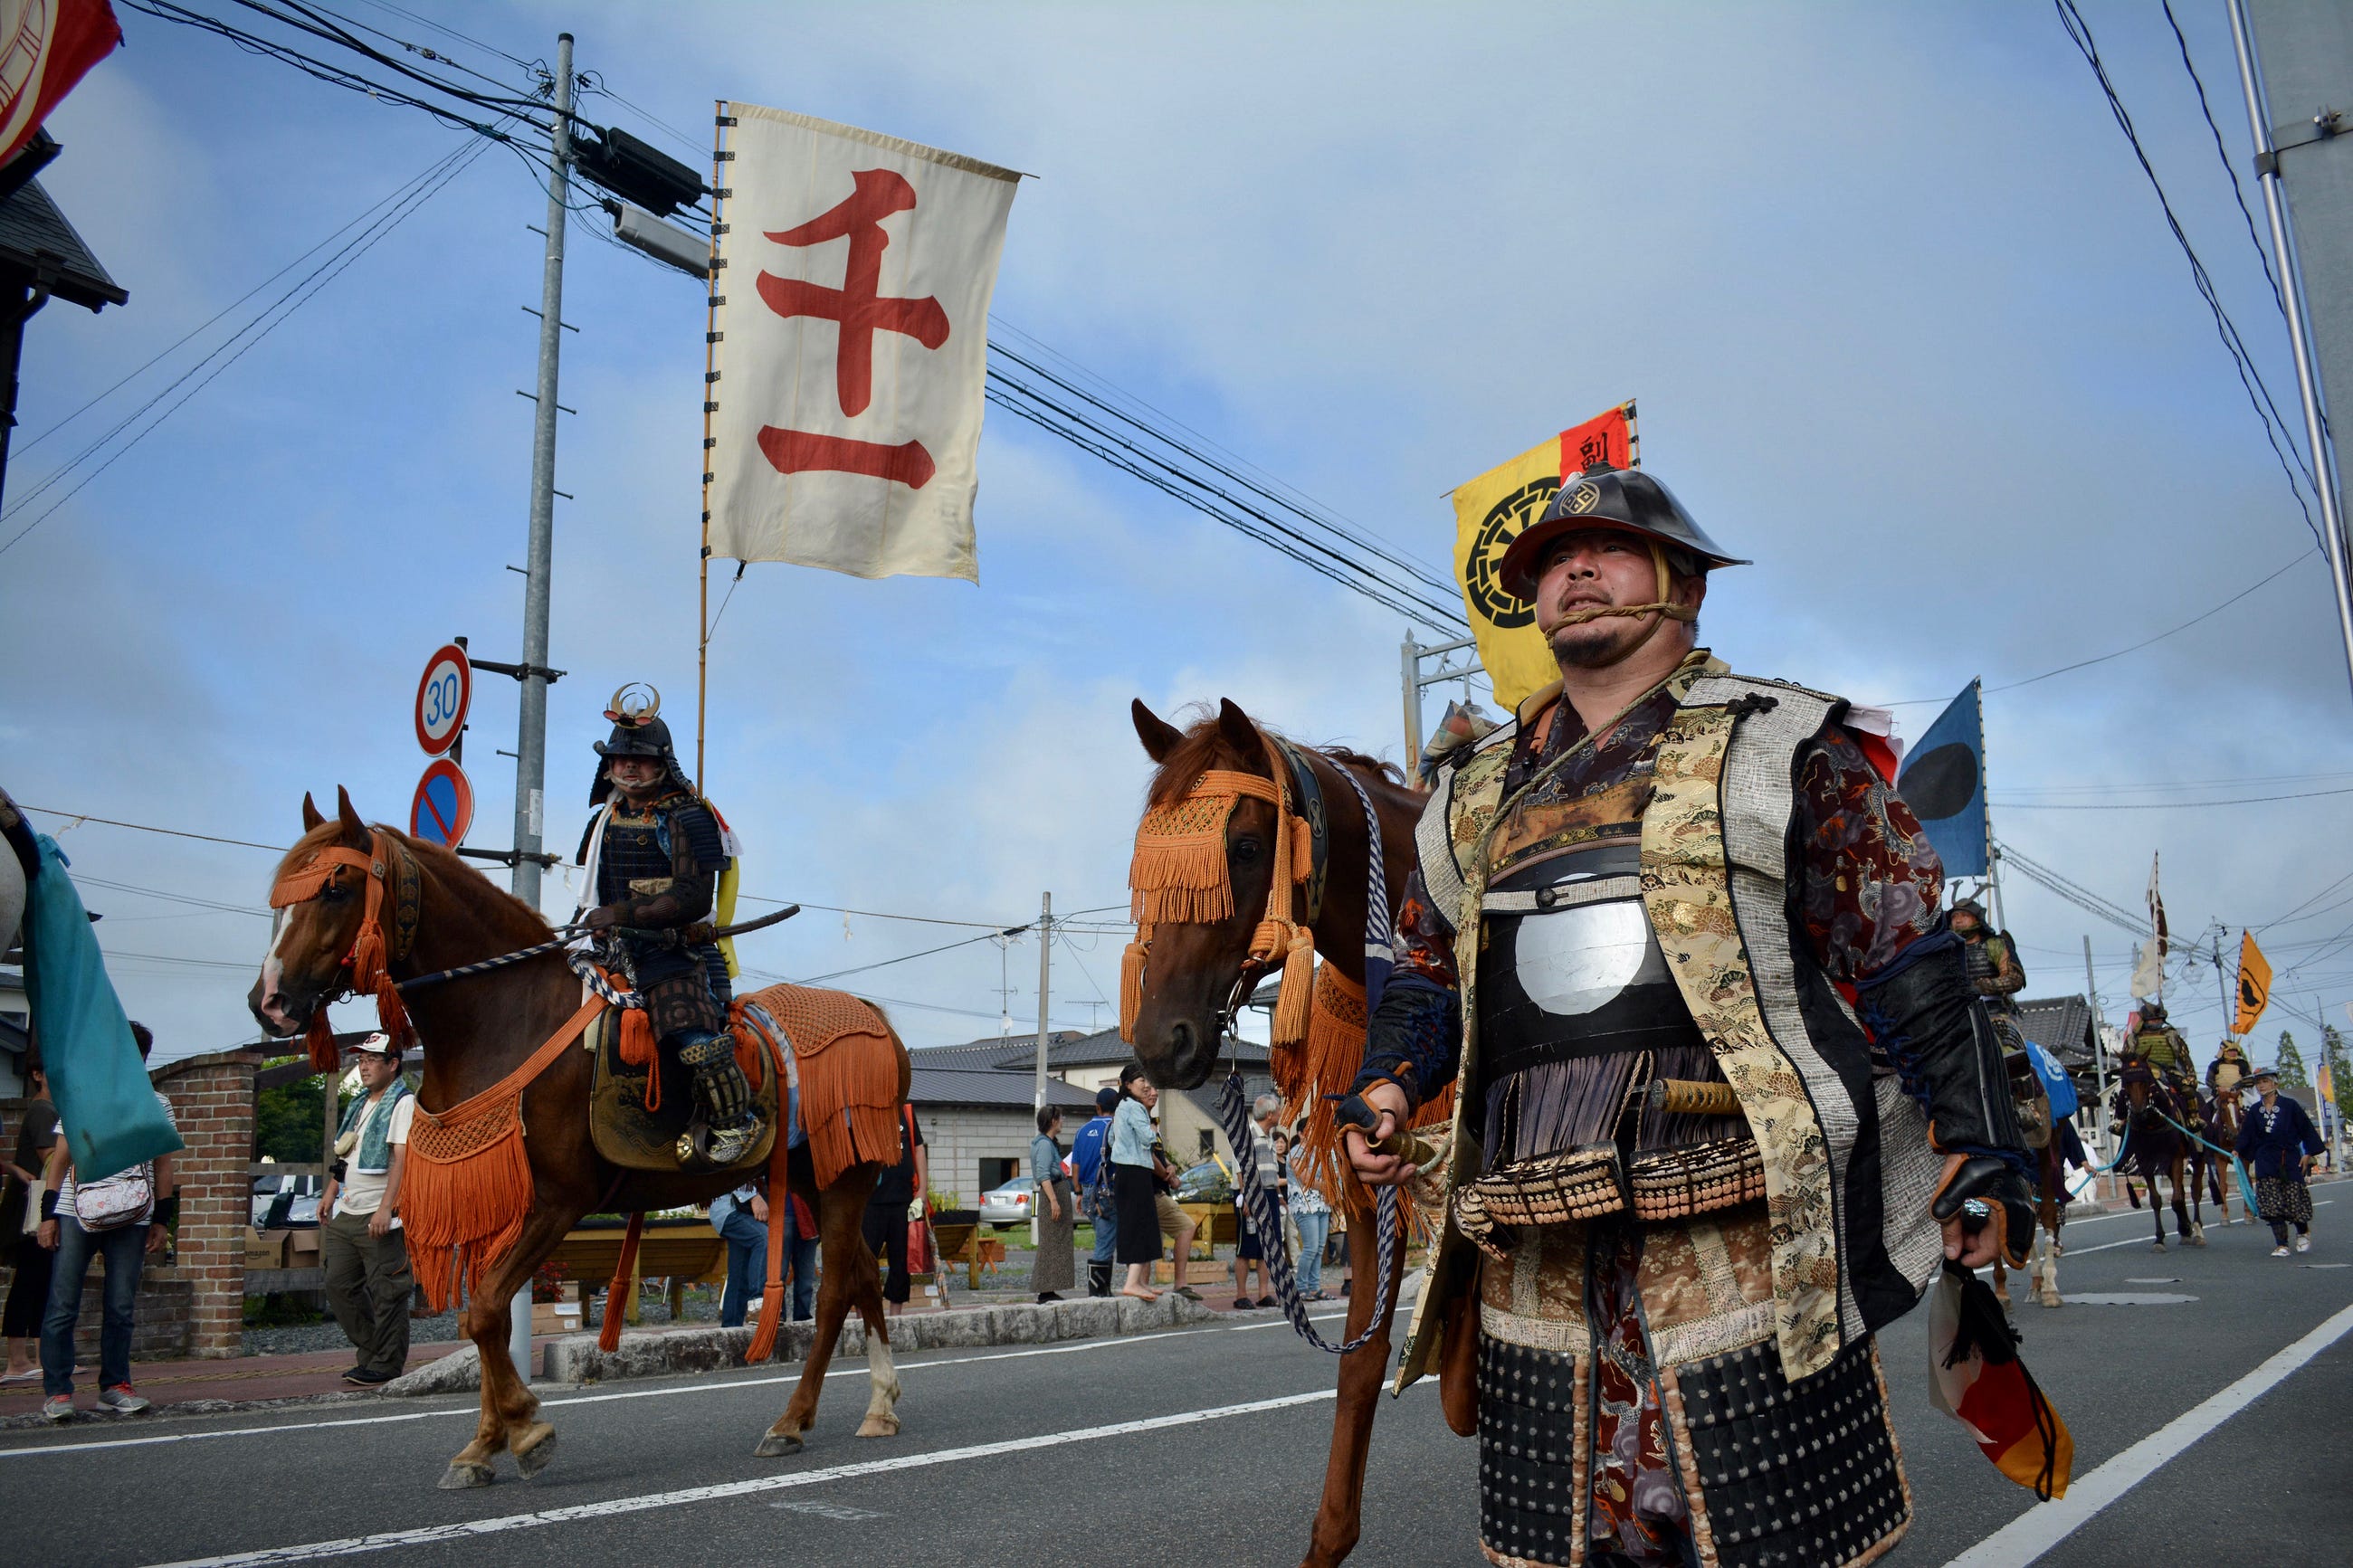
[(1205, 1446)]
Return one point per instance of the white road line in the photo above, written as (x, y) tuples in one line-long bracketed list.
[(727, 1386), (2142, 1241), (471, 1529), (1285, 1322), (2026, 1538)]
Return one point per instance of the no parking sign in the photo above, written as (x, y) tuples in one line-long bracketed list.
[(444, 806)]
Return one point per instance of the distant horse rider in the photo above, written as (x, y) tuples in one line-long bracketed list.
[(2226, 1074), (1995, 973), (2160, 1045), (656, 854)]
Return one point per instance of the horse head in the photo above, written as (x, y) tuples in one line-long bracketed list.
[(309, 962), (1197, 967)]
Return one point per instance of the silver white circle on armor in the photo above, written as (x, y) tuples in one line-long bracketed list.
[(1573, 961)]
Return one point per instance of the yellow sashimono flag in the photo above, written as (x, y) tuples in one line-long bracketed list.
[(2254, 984), (1489, 514)]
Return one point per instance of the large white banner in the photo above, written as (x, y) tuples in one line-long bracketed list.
[(853, 347)]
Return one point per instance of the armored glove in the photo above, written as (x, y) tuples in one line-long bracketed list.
[(1922, 1013), (1990, 1188)]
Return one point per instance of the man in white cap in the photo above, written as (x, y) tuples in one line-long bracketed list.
[(368, 1279)]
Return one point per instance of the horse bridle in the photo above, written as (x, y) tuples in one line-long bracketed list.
[(1285, 763), (391, 872)]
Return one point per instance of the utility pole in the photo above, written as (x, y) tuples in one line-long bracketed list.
[(2222, 983), (2293, 301), (531, 732), (1045, 974), (530, 742), (2099, 1051)]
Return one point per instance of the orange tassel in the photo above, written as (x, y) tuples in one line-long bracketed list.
[(1293, 1002), (1131, 982), (609, 1337), (320, 1038), (465, 1211)]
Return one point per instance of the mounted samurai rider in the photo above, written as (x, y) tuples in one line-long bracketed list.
[(655, 853), (2158, 1043), (1997, 975), (1723, 1080)]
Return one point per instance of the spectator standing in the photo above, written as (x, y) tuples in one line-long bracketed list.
[(898, 1202), (1249, 1246), (800, 1270), (20, 1216), (1176, 1224), (1312, 1216), (361, 1243), (1057, 1218), (741, 1218), (2280, 1135), (1091, 1165), (1132, 1182), (126, 1216)]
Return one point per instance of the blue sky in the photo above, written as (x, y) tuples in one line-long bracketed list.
[(1902, 315)]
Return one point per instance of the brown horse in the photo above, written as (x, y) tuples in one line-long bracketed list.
[(1193, 969), (2155, 1147), (2050, 1214), (478, 1030)]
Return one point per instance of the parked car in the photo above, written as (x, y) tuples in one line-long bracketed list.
[(1205, 1183), (1009, 1203), (287, 1202)]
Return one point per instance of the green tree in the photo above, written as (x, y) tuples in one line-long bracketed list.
[(2332, 1051), (2291, 1064), (285, 1119)]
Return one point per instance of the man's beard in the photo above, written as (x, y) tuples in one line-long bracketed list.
[(1596, 643)]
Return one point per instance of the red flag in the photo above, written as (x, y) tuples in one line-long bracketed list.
[(46, 47)]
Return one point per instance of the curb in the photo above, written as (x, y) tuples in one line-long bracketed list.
[(576, 1357)]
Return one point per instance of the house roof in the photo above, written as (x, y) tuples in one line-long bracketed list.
[(2061, 1026), (35, 235), (988, 1087), (1065, 1048)]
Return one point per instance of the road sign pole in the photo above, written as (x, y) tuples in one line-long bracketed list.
[(530, 742)]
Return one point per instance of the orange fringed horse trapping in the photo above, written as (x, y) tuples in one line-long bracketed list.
[(468, 1186), (850, 1098)]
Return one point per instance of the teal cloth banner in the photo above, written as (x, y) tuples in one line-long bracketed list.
[(96, 1080)]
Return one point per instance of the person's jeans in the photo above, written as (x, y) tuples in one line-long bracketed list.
[(1314, 1229), (1105, 1215), (747, 1263), (125, 1250), (800, 1260)]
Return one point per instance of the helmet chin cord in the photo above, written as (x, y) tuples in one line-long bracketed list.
[(1664, 609)]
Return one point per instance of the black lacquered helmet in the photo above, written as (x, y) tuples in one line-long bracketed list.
[(1604, 497)]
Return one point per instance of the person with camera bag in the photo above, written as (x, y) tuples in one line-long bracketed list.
[(124, 1217)]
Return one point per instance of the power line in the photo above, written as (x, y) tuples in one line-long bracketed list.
[(81, 816), (2160, 804), (260, 327), (2119, 653), (173, 898), (2079, 32), (2222, 155), (910, 957)]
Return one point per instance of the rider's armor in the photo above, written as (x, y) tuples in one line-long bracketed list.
[(658, 867)]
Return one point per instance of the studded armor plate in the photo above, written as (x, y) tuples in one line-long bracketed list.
[(1532, 1463), (1789, 1474)]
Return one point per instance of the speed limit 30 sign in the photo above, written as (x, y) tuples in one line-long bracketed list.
[(442, 699)]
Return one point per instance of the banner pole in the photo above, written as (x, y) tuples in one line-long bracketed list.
[(719, 119)]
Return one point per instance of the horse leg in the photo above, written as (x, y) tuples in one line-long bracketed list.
[(2185, 1194), (1339, 1518), (508, 1404), (847, 1272), (2002, 1282), (2157, 1210)]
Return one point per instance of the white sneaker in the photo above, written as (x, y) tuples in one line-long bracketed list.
[(2304, 1244), (2279, 1252)]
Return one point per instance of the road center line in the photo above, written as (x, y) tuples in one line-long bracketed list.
[(471, 1529), (721, 1387), (2026, 1538)]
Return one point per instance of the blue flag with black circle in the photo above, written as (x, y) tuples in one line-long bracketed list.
[(1943, 781)]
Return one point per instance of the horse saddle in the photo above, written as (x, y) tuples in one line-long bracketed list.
[(637, 1135)]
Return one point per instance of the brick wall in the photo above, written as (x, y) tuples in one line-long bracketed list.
[(212, 1097)]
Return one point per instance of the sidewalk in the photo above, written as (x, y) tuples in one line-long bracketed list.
[(241, 1380)]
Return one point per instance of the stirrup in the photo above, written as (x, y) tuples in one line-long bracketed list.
[(718, 1148)]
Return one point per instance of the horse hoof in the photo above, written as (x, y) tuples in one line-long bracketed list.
[(460, 1477), (2160, 1246), (534, 1459), (879, 1427), (776, 1446)]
